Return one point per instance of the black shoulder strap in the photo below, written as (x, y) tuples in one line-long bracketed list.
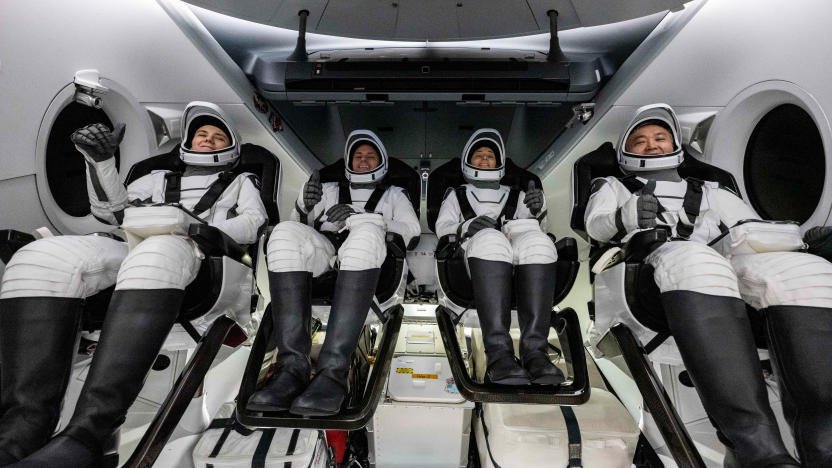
[(510, 208), (344, 192), (464, 204), (632, 183), (213, 193), (375, 197), (173, 187), (691, 205)]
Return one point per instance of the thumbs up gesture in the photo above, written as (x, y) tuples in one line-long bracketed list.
[(534, 198), (96, 142), (312, 191)]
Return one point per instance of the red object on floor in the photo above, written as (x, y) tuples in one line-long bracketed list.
[(338, 441)]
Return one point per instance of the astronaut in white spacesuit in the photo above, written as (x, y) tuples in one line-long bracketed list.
[(704, 290), (500, 230), (46, 282), (364, 207)]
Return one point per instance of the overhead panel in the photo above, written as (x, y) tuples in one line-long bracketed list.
[(436, 20)]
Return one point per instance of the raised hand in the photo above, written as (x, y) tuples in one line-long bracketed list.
[(97, 142), (533, 199), (312, 191)]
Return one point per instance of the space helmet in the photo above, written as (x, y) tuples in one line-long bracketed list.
[(654, 114), (364, 137), (490, 138), (197, 114)]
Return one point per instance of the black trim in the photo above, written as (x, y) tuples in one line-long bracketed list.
[(573, 433), (259, 458), (173, 187), (619, 224), (375, 197), (464, 205), (213, 193), (290, 450), (691, 204), (657, 341), (96, 183), (509, 210), (485, 435)]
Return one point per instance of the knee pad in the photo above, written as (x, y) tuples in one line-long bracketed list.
[(489, 244), (691, 266), (160, 262), (363, 249), (533, 247), (63, 266), (294, 246), (784, 278)]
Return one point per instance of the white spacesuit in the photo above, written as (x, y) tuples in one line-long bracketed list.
[(500, 231), (305, 247), (703, 290), (46, 282)]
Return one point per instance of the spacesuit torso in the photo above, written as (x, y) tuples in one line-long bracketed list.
[(489, 202)]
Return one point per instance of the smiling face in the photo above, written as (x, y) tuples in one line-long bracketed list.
[(209, 138), (365, 159), (484, 158), (649, 140)]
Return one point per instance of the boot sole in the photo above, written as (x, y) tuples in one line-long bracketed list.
[(511, 381), (549, 380), (302, 411), (266, 408)]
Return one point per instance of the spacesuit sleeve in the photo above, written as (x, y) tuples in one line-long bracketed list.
[(405, 222), (330, 190), (450, 216), (251, 214), (603, 217), (107, 194), (731, 208)]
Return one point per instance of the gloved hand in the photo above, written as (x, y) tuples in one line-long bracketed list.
[(819, 239), (339, 213), (479, 223), (313, 191), (96, 142), (640, 212), (533, 199)]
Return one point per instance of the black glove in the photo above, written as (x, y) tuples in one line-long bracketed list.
[(479, 223), (339, 212), (648, 209), (533, 198), (97, 142), (312, 191), (819, 239)]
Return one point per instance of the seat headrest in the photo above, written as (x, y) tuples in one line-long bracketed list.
[(603, 162), (254, 159), (449, 175), (398, 174)]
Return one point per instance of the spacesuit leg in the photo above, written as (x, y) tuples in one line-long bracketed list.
[(709, 322), (489, 257), (41, 301), (794, 290), (149, 291), (535, 256), (360, 258), (295, 253)]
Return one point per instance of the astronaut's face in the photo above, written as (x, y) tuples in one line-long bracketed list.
[(484, 158), (365, 159), (209, 138), (649, 140)]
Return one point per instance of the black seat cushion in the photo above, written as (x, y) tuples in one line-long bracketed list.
[(449, 175)]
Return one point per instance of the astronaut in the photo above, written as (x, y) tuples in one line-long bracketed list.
[(46, 282), (704, 290), (500, 228), (364, 209)]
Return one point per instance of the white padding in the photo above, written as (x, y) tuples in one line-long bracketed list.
[(532, 246), (489, 244), (160, 262), (691, 266), (234, 299), (364, 248), (297, 247), (63, 266), (784, 278)]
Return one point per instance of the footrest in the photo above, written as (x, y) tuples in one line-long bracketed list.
[(349, 419), (574, 391)]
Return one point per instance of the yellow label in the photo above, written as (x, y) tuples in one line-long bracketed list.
[(425, 376), (404, 370), (421, 336)]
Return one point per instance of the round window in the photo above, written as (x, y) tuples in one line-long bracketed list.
[(784, 165), (65, 168)]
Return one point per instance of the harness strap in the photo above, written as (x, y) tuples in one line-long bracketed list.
[(691, 205), (464, 204), (344, 193), (213, 193), (375, 197), (573, 433), (509, 210), (173, 187)]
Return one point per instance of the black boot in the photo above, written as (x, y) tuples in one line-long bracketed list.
[(291, 317), (715, 340), (354, 291), (136, 325), (535, 291), (800, 341), (491, 284), (37, 345)]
